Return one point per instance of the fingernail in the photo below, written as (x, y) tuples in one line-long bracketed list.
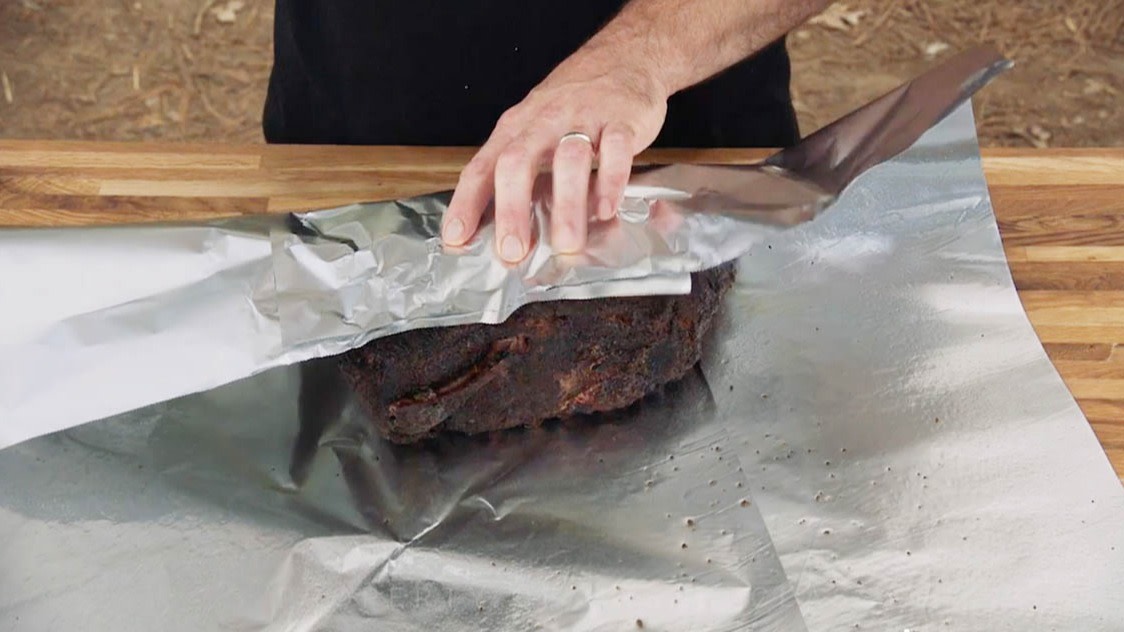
[(511, 249), (454, 231)]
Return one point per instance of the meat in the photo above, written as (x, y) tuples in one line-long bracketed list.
[(548, 360)]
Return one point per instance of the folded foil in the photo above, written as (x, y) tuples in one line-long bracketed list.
[(113, 319), (352, 274)]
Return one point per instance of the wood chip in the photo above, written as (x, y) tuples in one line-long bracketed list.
[(882, 19), (136, 79), (228, 13), (1096, 86), (838, 17), (935, 48), (1036, 135)]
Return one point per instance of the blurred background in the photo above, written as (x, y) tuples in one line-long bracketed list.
[(195, 70)]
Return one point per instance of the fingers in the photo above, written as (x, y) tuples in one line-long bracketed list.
[(475, 187), (471, 197), (505, 169), (573, 160), (615, 166), (516, 169)]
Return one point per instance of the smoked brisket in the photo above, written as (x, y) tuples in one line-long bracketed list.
[(548, 360)]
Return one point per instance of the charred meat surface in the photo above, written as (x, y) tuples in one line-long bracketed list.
[(548, 360)]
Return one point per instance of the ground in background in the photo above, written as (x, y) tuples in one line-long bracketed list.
[(177, 70)]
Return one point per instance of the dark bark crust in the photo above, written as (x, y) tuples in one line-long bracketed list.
[(548, 360)]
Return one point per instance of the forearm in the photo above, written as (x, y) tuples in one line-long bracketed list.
[(682, 42)]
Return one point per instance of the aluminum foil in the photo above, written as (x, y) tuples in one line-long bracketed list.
[(876, 439), (113, 319), (186, 516), (352, 274), (919, 462)]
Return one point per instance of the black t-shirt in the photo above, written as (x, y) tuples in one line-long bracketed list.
[(433, 72)]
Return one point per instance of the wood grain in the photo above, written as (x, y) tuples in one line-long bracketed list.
[(1060, 212)]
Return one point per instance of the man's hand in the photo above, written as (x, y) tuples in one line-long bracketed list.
[(613, 90), (621, 109)]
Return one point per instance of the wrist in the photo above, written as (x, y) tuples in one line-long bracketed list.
[(631, 61), (640, 40)]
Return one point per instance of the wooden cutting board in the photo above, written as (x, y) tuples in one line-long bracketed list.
[(1060, 211)]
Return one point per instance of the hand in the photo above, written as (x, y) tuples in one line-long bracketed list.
[(620, 107)]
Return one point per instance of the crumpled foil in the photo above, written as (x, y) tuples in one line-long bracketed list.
[(918, 460), (184, 516), (116, 318), (876, 438), (349, 275)]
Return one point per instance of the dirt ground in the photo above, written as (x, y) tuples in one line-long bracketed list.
[(196, 69)]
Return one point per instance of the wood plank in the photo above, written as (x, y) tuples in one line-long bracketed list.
[(1046, 299), (358, 189), (1096, 388), (1078, 334), (1117, 355), (1064, 166), (434, 166), (1092, 352), (1106, 412), (73, 210), (354, 158), (1101, 167), (38, 183), (453, 159), (319, 202), (1115, 459), (1111, 435), (1089, 229), (1014, 253), (1035, 200), (1086, 369), (1073, 253), (231, 183), (1076, 276), (126, 159), (1085, 316)]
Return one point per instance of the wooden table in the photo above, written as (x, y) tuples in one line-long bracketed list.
[(1061, 213)]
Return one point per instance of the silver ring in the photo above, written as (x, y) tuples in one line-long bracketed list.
[(578, 135)]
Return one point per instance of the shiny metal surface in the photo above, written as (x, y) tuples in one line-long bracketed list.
[(131, 316), (919, 462), (875, 390), (834, 156), (113, 319), (183, 516)]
